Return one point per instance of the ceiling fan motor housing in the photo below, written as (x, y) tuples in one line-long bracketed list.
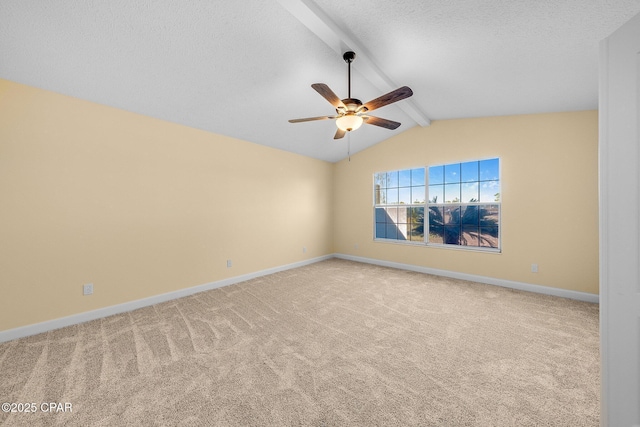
[(353, 105)]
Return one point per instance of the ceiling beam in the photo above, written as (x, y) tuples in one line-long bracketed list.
[(316, 20)]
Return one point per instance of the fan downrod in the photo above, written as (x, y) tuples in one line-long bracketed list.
[(348, 57)]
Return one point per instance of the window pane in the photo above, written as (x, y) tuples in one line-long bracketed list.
[(436, 216), (392, 215), (402, 231), (392, 231), (452, 193), (470, 192), (436, 175), (392, 179), (489, 170), (416, 232), (392, 196), (417, 217), (451, 215), (489, 215), (436, 194), (452, 235), (380, 179), (405, 195), (469, 235), (382, 193), (489, 237), (470, 215), (417, 176), (417, 214), (490, 191), (417, 194), (436, 235), (452, 173), (381, 215), (404, 178), (469, 172), (403, 215), (378, 194), (381, 230)]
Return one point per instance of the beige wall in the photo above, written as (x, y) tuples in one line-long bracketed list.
[(139, 207), (549, 196)]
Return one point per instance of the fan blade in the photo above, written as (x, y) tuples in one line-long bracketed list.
[(328, 94), (391, 97), (383, 123), (310, 119), (339, 134)]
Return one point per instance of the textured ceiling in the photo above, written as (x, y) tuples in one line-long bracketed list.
[(243, 69)]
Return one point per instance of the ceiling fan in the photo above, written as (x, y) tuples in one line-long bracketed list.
[(351, 112)]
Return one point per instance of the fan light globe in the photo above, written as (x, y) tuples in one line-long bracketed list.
[(349, 122)]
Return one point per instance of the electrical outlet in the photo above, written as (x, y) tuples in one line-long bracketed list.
[(229, 263), (355, 246), (304, 249), (87, 289), (534, 268)]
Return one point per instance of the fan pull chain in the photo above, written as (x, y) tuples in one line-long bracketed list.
[(349, 146)]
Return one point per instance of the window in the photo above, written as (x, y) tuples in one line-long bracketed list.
[(399, 204), (464, 204), (462, 200)]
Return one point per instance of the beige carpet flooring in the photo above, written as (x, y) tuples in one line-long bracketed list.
[(336, 343)]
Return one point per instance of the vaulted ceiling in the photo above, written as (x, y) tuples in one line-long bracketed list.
[(243, 68)]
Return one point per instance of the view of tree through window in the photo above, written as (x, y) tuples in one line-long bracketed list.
[(399, 204), (464, 204)]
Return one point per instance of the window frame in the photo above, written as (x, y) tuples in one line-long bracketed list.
[(426, 205), (411, 205), (462, 204)]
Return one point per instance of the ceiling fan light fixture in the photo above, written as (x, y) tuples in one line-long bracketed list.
[(349, 122)]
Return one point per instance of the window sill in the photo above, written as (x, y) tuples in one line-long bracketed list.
[(440, 246)]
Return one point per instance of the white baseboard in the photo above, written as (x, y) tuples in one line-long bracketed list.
[(25, 331), (539, 289)]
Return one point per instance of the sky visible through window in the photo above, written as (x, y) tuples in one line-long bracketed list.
[(477, 181)]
